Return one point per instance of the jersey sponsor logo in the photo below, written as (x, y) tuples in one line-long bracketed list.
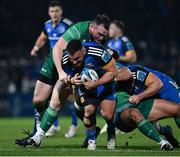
[(141, 76), (44, 70), (90, 65), (136, 88), (61, 29), (106, 56), (53, 38), (48, 30)]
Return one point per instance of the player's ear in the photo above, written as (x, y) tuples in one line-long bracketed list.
[(92, 26), (84, 50)]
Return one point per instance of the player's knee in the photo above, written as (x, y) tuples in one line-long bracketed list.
[(107, 114), (177, 111), (89, 110), (38, 99), (55, 103), (135, 115), (90, 121)]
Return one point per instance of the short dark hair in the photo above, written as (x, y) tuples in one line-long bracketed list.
[(119, 24), (102, 19), (55, 3), (73, 46)]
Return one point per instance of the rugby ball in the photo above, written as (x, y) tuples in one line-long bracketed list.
[(89, 74)]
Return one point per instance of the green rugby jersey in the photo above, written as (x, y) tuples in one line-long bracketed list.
[(79, 31)]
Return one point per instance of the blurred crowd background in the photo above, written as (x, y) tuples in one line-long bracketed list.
[(152, 26)]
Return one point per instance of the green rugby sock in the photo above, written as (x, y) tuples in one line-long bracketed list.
[(146, 128), (49, 116), (177, 120)]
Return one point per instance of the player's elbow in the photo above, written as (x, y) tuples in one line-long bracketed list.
[(158, 85), (59, 46), (132, 57)]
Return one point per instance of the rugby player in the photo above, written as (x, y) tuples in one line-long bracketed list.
[(147, 83), (129, 116), (121, 45), (96, 30), (78, 57), (52, 30), (121, 49)]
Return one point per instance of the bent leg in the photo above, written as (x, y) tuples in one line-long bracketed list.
[(59, 95), (107, 111), (89, 121), (163, 109), (42, 92), (133, 116)]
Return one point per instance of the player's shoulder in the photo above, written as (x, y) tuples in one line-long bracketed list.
[(124, 39), (67, 21), (48, 22), (97, 51), (136, 67), (139, 72), (93, 48)]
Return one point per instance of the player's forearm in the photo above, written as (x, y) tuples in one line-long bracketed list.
[(58, 53), (41, 40), (150, 90), (123, 74), (107, 77), (57, 57), (39, 43)]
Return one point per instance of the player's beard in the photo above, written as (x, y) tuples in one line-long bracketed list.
[(102, 42), (77, 65)]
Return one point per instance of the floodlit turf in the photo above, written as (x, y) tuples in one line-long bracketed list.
[(127, 144)]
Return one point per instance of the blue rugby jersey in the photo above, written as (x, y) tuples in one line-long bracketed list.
[(120, 45), (170, 90), (54, 33), (96, 57)]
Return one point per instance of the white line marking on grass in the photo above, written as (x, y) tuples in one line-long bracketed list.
[(79, 149)]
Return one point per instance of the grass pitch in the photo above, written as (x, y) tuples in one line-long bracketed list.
[(128, 144)]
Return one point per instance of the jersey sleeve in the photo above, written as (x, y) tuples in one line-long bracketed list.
[(67, 21), (127, 44), (106, 60), (44, 30), (106, 57), (100, 54), (73, 32), (140, 74)]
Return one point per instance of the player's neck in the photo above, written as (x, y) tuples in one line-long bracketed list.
[(56, 22), (118, 36)]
